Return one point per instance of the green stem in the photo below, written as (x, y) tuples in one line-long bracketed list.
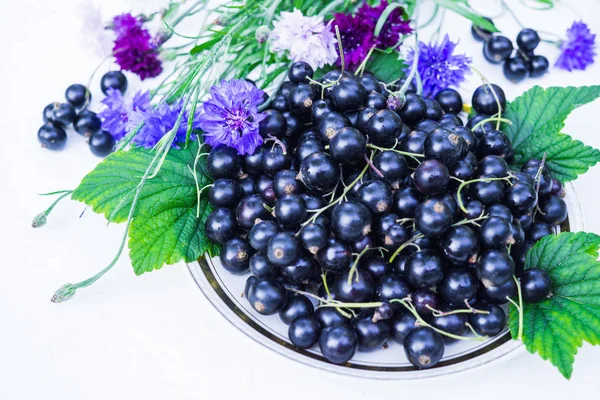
[(404, 245), (40, 219), (462, 185), (404, 153), (520, 308)]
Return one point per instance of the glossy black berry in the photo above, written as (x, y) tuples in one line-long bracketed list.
[(425, 301), (348, 95), (431, 177), (274, 124), (433, 109), (475, 209), (515, 69), (375, 265), (495, 267), (264, 187), (497, 49), (489, 324), (384, 128), (360, 288), (424, 347), (401, 325), (319, 173), (279, 103), (260, 234), (47, 113), (221, 225), (329, 316), (348, 146), (433, 217), (459, 285), (293, 124), (528, 39), (313, 237), (495, 233), (235, 255), (296, 306), (405, 202), (87, 123), (113, 80), (500, 211), (538, 230), (521, 198), (304, 332), (450, 121), (290, 210), (350, 221), (487, 191), (393, 167), (424, 269), (275, 159), (413, 109), (282, 249), (376, 196), (455, 324), (225, 192), (371, 335), (536, 285), (301, 99), (330, 125), (52, 136), (63, 113), (300, 71), (338, 343), (223, 162), (553, 210), (267, 296), (250, 209), (484, 101), (494, 143), (460, 245), (450, 100), (336, 256), (479, 129), (261, 267), (78, 95), (445, 146), (557, 188), (498, 294), (101, 143), (370, 82), (308, 147), (538, 66)]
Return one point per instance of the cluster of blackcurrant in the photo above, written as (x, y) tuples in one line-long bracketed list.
[(59, 116), (499, 49), (402, 222)]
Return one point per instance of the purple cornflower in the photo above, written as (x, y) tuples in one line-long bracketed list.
[(358, 32), (438, 66), (393, 27), (158, 121), (118, 111), (134, 49), (231, 116), (577, 51)]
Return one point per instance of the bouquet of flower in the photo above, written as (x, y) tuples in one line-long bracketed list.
[(306, 142)]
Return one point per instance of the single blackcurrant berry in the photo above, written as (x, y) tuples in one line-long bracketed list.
[(459, 285), (497, 49), (261, 267), (319, 173), (250, 209), (433, 217), (495, 233), (424, 347), (78, 95), (376, 100), (300, 71), (52, 136), (223, 162), (521, 197), (360, 288), (484, 99), (536, 285), (528, 39), (225, 192), (301, 99), (371, 335), (460, 245), (538, 230), (445, 146), (260, 234), (351, 221), (283, 249), (304, 332), (498, 294), (235, 255), (538, 66), (113, 80), (424, 269), (87, 123), (348, 146), (413, 110), (267, 296), (384, 128), (515, 69), (553, 210), (495, 267), (450, 100), (431, 177), (221, 225), (489, 324), (329, 316), (338, 343), (348, 95), (402, 324), (405, 202), (313, 237), (274, 124), (101, 143), (300, 270), (376, 196), (433, 109), (63, 113)]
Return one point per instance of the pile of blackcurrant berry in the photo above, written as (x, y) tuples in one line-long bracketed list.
[(59, 116), (360, 223), (499, 49)]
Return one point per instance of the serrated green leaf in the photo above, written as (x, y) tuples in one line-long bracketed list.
[(461, 7), (386, 67), (555, 328), (538, 116), (164, 229)]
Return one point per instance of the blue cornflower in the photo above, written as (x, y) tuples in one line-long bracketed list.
[(438, 66), (577, 51), (117, 111), (231, 116)]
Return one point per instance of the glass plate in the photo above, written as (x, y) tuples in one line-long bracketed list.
[(224, 291)]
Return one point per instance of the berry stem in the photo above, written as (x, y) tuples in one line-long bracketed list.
[(271, 138), (520, 309), (489, 85), (470, 310), (40, 219), (404, 245), (361, 68), (491, 119), (404, 153), (471, 221), (462, 185), (354, 268), (373, 167)]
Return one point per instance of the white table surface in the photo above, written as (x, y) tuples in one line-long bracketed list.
[(156, 336)]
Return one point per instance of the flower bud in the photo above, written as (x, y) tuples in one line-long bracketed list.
[(64, 293), (39, 220), (262, 33)]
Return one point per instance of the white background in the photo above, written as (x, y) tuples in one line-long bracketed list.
[(156, 336)]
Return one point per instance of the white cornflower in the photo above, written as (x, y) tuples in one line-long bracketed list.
[(306, 38), (94, 37)]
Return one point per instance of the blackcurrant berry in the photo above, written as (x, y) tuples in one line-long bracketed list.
[(557, 188), (392, 286), (445, 146), (87, 123), (360, 288), (376, 196), (351, 221), (301, 99), (538, 66), (489, 324), (78, 95), (475, 209), (468, 136), (300, 71), (463, 170), (235, 255), (480, 129), (52, 136), (426, 125), (424, 347), (393, 167), (515, 69), (101, 143), (538, 230), (494, 143), (221, 225), (521, 197), (336, 256), (450, 121), (424, 269), (261, 267), (63, 113), (460, 245), (455, 324), (348, 95), (348, 146), (413, 109), (498, 294), (384, 128), (488, 192), (459, 285), (282, 249), (338, 343), (450, 100), (225, 192), (371, 335), (366, 241), (223, 162), (495, 233), (279, 103), (406, 201), (267, 296), (376, 266), (553, 210), (264, 187), (274, 124), (370, 82), (47, 113), (308, 147), (260, 234), (329, 316), (304, 332), (495, 267), (113, 80), (528, 39), (493, 165), (433, 217), (497, 49), (401, 325), (433, 109), (536, 285), (290, 210), (363, 118), (484, 101), (319, 173), (250, 282), (376, 100), (313, 237), (500, 211), (275, 159), (425, 301), (431, 177), (293, 124), (250, 209), (383, 312), (300, 270)]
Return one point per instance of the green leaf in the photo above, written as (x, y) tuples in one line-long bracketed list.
[(555, 328), (387, 67), (204, 46), (538, 116), (461, 7), (164, 229)]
